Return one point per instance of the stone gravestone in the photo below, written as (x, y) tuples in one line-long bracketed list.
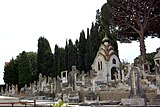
[(137, 96), (6, 90), (54, 85), (13, 90), (92, 76), (34, 88), (58, 85), (73, 78), (16, 89), (40, 82), (44, 83), (2, 92)]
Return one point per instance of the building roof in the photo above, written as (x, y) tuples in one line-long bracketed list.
[(157, 56), (105, 39)]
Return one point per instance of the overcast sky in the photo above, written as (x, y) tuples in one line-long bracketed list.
[(22, 22)]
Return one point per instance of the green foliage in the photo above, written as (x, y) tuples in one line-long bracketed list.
[(44, 57), (92, 45), (59, 60), (149, 58), (106, 17), (59, 103), (135, 20), (11, 72), (72, 54), (66, 56), (32, 56), (81, 51), (24, 69)]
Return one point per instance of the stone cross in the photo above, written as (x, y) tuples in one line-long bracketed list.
[(136, 87)]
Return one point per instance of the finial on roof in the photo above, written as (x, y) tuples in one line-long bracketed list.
[(106, 39)]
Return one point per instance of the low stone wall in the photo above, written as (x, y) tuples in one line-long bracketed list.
[(113, 95), (150, 96), (116, 96)]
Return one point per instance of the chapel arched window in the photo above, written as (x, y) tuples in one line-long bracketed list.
[(114, 61)]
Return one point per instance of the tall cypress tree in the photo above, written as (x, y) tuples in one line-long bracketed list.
[(72, 54), (92, 45), (56, 61), (66, 56), (81, 51), (61, 59), (76, 53), (44, 57), (87, 53)]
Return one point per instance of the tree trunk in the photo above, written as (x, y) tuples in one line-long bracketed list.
[(142, 48)]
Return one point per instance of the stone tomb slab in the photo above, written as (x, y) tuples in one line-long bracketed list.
[(133, 101)]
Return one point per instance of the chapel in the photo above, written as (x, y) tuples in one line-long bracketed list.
[(106, 63)]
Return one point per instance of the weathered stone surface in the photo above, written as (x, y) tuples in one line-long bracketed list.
[(133, 101)]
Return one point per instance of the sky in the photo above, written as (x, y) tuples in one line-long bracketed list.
[(22, 22)]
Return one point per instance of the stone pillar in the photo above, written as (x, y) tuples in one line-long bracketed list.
[(16, 89), (66, 76), (75, 80), (12, 89), (52, 88), (6, 90), (2, 90), (134, 84), (83, 80), (40, 82), (123, 75), (158, 84)]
